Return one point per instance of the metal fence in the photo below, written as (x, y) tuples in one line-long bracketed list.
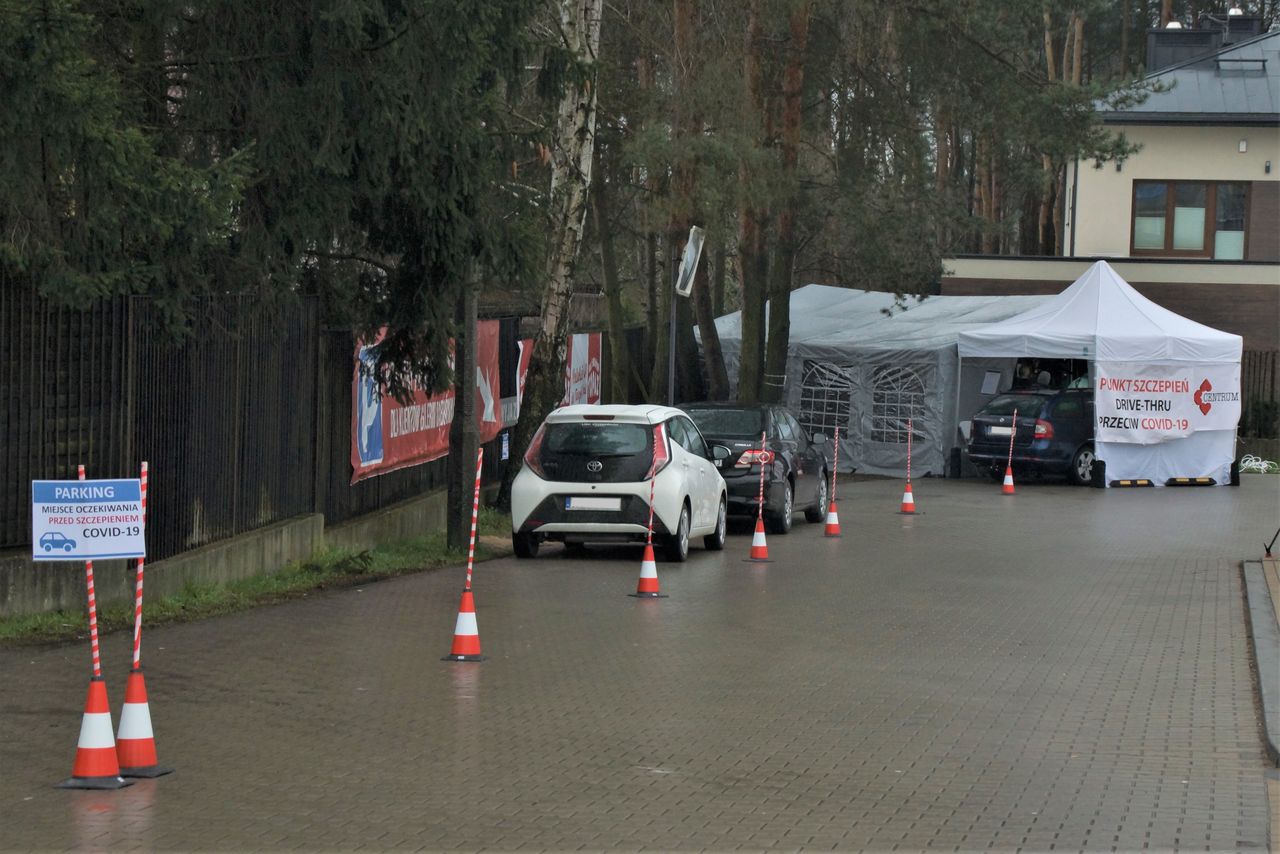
[(245, 423), (1260, 393)]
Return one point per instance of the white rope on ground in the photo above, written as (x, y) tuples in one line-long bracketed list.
[(1257, 465)]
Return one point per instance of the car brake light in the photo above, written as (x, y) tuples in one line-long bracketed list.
[(1044, 430), (750, 458), (661, 455), (533, 456)]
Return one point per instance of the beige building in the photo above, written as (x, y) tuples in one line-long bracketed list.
[(1192, 220)]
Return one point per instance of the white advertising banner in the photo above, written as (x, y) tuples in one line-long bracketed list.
[(1144, 404)]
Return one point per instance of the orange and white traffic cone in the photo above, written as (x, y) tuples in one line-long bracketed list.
[(908, 500), (647, 587), (466, 634), (759, 548), (833, 522), (96, 766), (1007, 488), (135, 743)]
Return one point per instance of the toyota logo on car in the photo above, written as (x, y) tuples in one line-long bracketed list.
[(595, 466)]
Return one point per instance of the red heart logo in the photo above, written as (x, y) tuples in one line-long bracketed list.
[(1204, 406)]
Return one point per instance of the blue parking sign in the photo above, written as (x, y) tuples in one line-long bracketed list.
[(87, 519)]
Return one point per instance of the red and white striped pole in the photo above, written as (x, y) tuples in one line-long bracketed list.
[(1007, 486), (909, 450), (466, 631), (759, 546), (908, 499), (835, 459), (832, 528), (93, 608), (137, 590), (648, 540), (764, 452), (475, 515)]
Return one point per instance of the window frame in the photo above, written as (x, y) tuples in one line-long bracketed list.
[(1210, 219)]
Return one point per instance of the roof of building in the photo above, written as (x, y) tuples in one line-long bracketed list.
[(1239, 84)]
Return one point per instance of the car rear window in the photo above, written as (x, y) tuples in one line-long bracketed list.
[(1026, 404), (728, 423), (595, 439)]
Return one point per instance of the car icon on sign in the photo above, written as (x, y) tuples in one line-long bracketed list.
[(57, 540)]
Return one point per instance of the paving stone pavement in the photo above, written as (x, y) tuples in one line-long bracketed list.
[(1062, 669)]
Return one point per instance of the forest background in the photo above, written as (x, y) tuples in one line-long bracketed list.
[(391, 155)]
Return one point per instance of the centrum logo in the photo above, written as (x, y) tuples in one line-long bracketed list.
[(1205, 397)]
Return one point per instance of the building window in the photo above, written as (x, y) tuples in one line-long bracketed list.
[(1205, 219)]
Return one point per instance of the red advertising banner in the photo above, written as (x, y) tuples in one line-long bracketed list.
[(387, 435), (582, 369), (488, 390)]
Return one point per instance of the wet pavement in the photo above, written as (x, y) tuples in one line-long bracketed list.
[(1064, 668)]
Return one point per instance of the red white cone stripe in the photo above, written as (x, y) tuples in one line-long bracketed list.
[(466, 624), (648, 569), (757, 539), (1007, 488), (135, 722), (95, 732)]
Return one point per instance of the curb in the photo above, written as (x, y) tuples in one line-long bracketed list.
[(1264, 635)]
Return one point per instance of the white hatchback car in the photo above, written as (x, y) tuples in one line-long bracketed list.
[(588, 472)]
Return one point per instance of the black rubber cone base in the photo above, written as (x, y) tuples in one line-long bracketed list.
[(463, 658), (833, 536), (94, 783), (146, 773), (648, 596), (757, 560)]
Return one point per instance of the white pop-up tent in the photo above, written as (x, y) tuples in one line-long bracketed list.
[(1166, 389), (871, 365)]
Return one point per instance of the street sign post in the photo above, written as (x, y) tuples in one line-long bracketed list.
[(87, 520), (681, 286)]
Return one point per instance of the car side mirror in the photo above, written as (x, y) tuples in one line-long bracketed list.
[(819, 438), (720, 453)]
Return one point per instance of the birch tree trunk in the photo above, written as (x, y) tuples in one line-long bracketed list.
[(567, 205)]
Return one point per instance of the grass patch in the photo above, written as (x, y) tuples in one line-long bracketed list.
[(324, 570)]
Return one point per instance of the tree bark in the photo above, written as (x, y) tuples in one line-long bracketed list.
[(704, 311), (464, 434), (780, 291), (571, 158), (752, 225), (620, 358), (1126, 9)]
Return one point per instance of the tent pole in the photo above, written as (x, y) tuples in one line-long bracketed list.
[(956, 417)]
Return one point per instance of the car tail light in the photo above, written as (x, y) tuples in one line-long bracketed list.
[(1044, 430), (533, 456), (661, 454), (751, 458)]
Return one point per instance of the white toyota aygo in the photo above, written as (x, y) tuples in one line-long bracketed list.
[(589, 470)]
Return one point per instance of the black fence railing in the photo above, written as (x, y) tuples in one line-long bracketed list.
[(246, 423)]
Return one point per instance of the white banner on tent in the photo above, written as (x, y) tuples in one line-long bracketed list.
[(1144, 404)]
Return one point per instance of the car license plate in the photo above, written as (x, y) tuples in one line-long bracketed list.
[(578, 502), (996, 430)]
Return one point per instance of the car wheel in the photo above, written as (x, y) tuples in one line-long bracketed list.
[(1081, 472), (780, 523), (677, 544), (525, 544), (48, 547), (715, 542), (996, 473), (818, 512), (67, 547)]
